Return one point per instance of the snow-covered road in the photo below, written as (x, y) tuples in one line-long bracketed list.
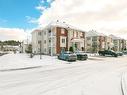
[(96, 76)]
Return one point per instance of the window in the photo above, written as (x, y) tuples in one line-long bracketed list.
[(63, 40), (39, 33), (49, 40), (45, 41), (45, 33), (94, 39), (81, 34), (49, 31), (62, 31), (94, 44), (39, 42), (88, 38)]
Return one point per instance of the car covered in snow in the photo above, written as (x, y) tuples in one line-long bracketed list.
[(125, 52), (108, 52), (67, 56), (81, 55), (119, 53)]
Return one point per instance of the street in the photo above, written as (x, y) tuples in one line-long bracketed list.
[(95, 76)]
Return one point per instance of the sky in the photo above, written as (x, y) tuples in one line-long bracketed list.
[(19, 17)]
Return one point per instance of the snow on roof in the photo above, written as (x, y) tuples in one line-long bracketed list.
[(114, 37), (36, 30), (94, 33), (62, 24)]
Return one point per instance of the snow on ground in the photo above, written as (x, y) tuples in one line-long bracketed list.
[(96, 76), (19, 61), (14, 61)]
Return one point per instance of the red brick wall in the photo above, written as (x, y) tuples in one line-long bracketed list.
[(58, 34)]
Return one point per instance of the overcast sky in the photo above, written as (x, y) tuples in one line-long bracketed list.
[(105, 16)]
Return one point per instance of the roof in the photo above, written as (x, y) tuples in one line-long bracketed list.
[(63, 24), (36, 30), (114, 37), (94, 33)]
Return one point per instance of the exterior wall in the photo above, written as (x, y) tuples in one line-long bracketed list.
[(88, 44), (53, 39), (116, 43), (108, 43), (123, 44), (45, 41), (76, 37), (101, 43), (119, 44), (60, 34), (95, 43), (36, 37)]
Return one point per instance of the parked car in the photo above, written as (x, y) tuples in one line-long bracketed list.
[(119, 53), (81, 55), (125, 52), (67, 56), (108, 52)]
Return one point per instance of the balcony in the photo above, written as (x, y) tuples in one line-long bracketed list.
[(51, 35)]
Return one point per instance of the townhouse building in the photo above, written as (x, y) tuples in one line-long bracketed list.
[(117, 43), (57, 36), (95, 41)]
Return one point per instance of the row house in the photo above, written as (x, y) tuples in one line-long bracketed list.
[(119, 43), (57, 36), (95, 41)]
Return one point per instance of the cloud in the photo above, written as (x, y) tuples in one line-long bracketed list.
[(41, 8), (12, 34), (106, 16), (31, 20)]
